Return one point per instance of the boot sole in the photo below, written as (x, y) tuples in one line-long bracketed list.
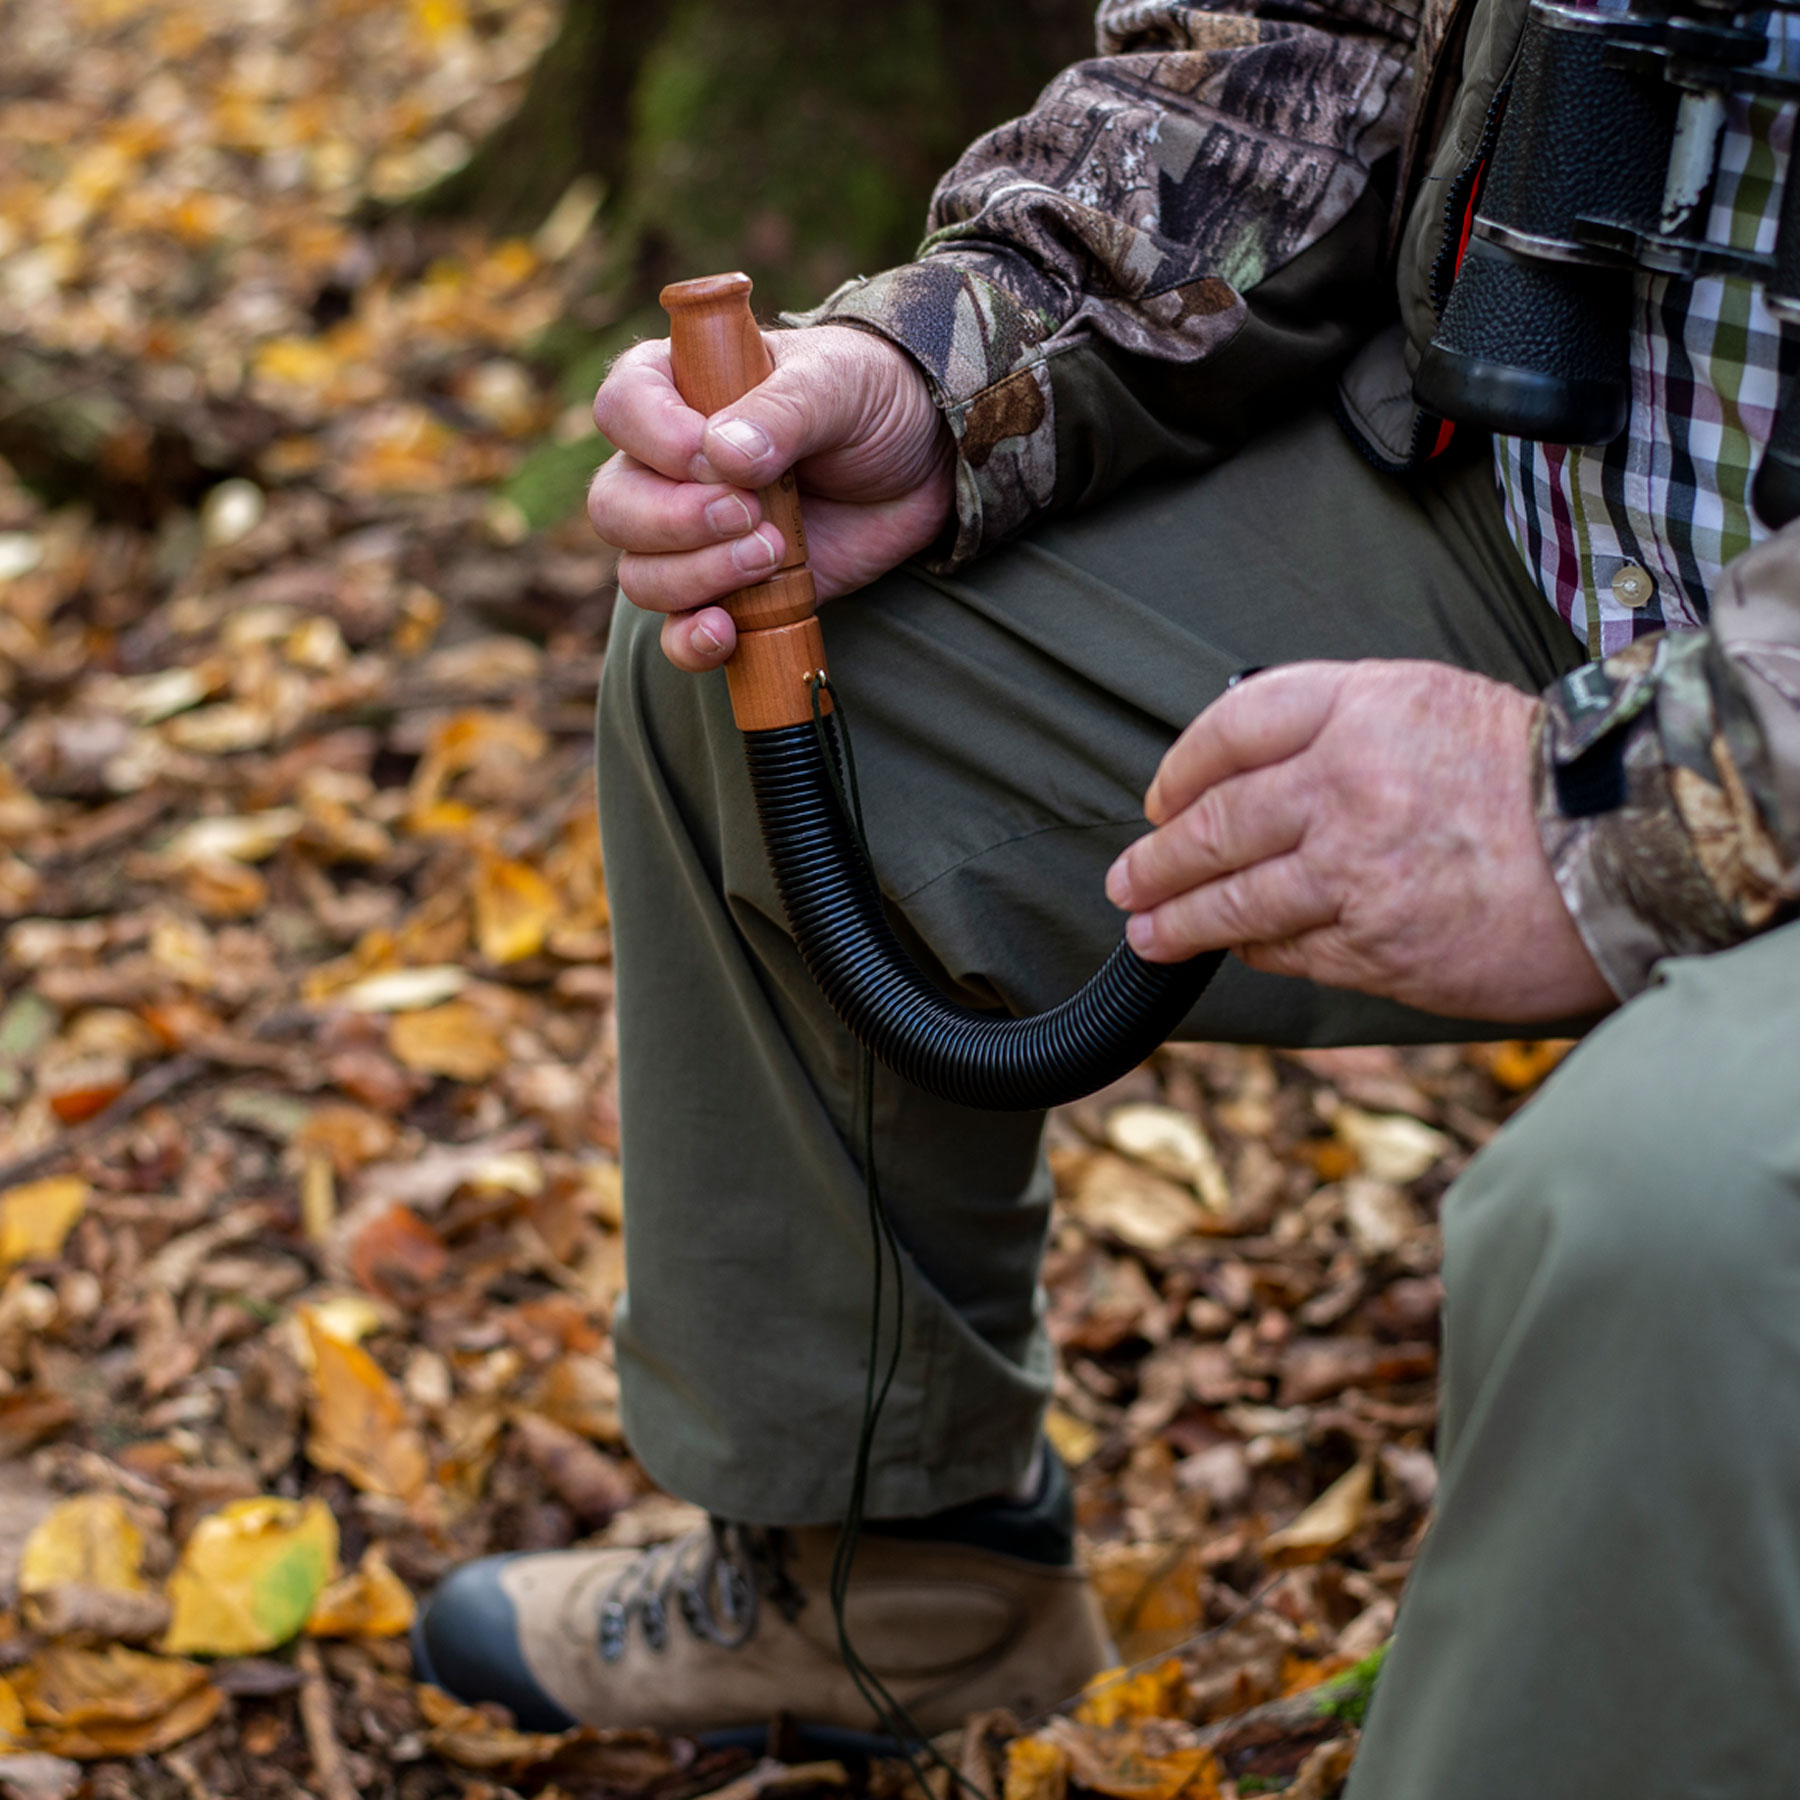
[(811, 1742)]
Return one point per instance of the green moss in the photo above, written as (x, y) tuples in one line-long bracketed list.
[(1348, 1697), (552, 481)]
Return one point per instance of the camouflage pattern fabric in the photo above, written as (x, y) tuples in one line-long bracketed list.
[(1143, 195), (1702, 847)]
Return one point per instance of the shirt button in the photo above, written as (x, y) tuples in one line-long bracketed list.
[(1633, 586)]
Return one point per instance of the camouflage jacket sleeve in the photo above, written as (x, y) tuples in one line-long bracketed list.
[(1668, 778), (1133, 210)]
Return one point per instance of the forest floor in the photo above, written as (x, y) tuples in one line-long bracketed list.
[(309, 1197)]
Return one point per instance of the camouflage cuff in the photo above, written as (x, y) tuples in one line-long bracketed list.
[(1654, 841), (983, 354)]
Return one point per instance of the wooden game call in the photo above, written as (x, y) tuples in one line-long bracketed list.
[(828, 890), (717, 355)]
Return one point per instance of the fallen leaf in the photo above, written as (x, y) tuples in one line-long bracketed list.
[(371, 1601), (95, 1615), (398, 1256), (1148, 1759), (1119, 1695), (1327, 1525), (36, 1218), (590, 1484), (1037, 1768), (1174, 1144), (1152, 1594), (250, 838), (1519, 1067), (1390, 1146), (1381, 1216), (28, 1416), (35, 1776), (470, 1739), (91, 1539), (1145, 1211), (91, 1704), (249, 1575), (358, 1422), (403, 990), (13, 1727), (456, 1039), (514, 909)]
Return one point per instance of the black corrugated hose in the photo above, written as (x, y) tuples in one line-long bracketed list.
[(974, 1059)]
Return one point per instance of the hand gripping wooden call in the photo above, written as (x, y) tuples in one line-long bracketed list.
[(717, 355)]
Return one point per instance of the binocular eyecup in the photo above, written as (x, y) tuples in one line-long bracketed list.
[(1603, 166)]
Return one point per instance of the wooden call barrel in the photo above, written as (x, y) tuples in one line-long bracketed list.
[(718, 355)]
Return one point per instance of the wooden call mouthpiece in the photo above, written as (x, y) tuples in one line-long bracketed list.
[(717, 355)]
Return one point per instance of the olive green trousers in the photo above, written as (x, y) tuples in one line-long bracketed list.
[(1612, 1590)]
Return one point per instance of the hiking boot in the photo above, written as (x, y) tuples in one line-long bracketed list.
[(717, 1633)]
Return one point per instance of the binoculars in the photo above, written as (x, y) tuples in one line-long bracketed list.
[(1604, 165)]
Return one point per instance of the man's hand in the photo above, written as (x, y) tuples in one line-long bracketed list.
[(846, 410), (1369, 825)]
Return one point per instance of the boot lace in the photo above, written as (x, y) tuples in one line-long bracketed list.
[(713, 1578)]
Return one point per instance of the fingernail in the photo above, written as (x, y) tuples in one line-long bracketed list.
[(704, 641), (1140, 932), (729, 516), (753, 554), (746, 439), (1118, 882)]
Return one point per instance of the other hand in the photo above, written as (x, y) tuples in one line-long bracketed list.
[(846, 410), (1369, 825)]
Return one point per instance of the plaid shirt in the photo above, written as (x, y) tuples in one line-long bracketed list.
[(1629, 538)]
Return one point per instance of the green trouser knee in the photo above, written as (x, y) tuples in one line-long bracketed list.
[(1006, 722), (1609, 1599)]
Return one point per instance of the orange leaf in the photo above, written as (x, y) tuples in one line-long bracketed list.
[(397, 1255), (456, 1039), (359, 1426)]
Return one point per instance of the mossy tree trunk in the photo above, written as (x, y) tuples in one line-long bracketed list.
[(574, 119), (797, 138)]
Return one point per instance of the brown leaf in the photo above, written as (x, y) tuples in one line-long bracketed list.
[(88, 1704), (28, 1416), (590, 1484), (1328, 1524), (398, 1256), (1315, 1368)]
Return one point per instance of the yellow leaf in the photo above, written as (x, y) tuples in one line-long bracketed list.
[(249, 1575), (467, 1737), (1073, 1439), (1327, 1525), (347, 1317), (12, 1717), (1152, 1594), (36, 1218), (88, 1704), (90, 1539), (1036, 1769), (456, 1039), (371, 1602), (514, 907), (1118, 1696), (1150, 1759), (1519, 1066), (359, 1426)]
